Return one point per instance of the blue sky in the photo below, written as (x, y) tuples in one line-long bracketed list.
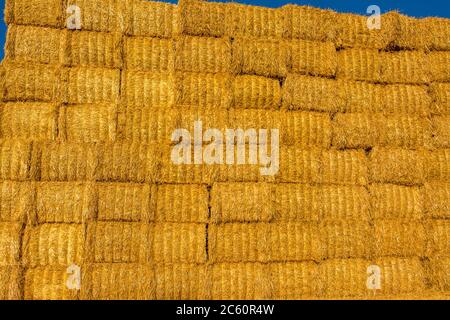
[(415, 8)]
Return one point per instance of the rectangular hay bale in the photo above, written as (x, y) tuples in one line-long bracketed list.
[(16, 201), (240, 281), (404, 67), (437, 199), (344, 167), (95, 49), (255, 92), (268, 58), (152, 18), (300, 165), (360, 64), (201, 54), (344, 203), (48, 283), (440, 92), (54, 245), (398, 166), (34, 44), (182, 203), (125, 202), (437, 166), (28, 120), (11, 283), (182, 282), (297, 202), (15, 162), (118, 281), (202, 18), (88, 122), (179, 243), (10, 243), (441, 131), (149, 54), (294, 280), (439, 238), (118, 242), (390, 201), (237, 202), (313, 58), (35, 12), (63, 202)]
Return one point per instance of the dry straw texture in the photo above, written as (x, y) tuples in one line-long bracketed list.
[(86, 176)]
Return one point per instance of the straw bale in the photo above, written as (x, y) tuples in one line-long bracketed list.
[(344, 278), (91, 85), (437, 199), (358, 96), (179, 243), (152, 19), (401, 98), (128, 162), (67, 161), (48, 283), (34, 44), (363, 130), (15, 201), (441, 131), (28, 120), (428, 33), (15, 159), (306, 129), (390, 201), (187, 174), (294, 280), (258, 119), (201, 18), (344, 167), (360, 64), (261, 242), (353, 31), (182, 203), (148, 88), (35, 12), (437, 164), (10, 243), (263, 57), (88, 123), (438, 66), (102, 15), (254, 92), (118, 242), (401, 276), (313, 58), (440, 93), (53, 245), (342, 239), (85, 48), (339, 203), (404, 67), (141, 124), (10, 283), (125, 202), (241, 281), (149, 54), (237, 242), (439, 238), (242, 173), (400, 166), (64, 202), (297, 202), (400, 239), (242, 202), (440, 273), (203, 89), (182, 282), (312, 93), (300, 165), (118, 281), (295, 242), (32, 82), (308, 23), (244, 20), (200, 54)]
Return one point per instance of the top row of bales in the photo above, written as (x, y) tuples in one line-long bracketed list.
[(201, 18)]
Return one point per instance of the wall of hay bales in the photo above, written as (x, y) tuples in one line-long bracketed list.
[(86, 118)]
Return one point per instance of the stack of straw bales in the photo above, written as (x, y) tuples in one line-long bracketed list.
[(86, 118)]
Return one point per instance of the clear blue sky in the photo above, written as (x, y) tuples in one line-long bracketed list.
[(415, 8)]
